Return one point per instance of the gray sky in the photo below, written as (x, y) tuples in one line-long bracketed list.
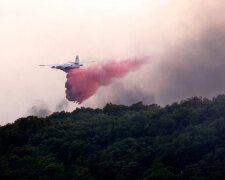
[(184, 39)]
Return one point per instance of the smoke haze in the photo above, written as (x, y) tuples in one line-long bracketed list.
[(62, 105), (41, 109), (192, 62), (185, 40), (196, 68)]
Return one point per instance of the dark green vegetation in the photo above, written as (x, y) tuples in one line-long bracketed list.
[(179, 141)]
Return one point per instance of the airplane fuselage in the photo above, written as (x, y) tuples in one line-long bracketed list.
[(66, 67)]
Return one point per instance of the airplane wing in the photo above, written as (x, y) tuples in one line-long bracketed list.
[(45, 65), (88, 61)]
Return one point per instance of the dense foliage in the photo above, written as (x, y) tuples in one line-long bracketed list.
[(184, 140)]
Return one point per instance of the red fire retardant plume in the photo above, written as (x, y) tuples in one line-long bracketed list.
[(83, 82)]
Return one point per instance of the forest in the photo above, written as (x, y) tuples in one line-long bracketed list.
[(183, 140)]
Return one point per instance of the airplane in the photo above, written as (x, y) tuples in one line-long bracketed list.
[(67, 67)]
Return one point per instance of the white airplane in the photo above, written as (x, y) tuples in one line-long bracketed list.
[(67, 67)]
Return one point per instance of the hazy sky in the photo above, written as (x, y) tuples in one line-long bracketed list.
[(183, 39)]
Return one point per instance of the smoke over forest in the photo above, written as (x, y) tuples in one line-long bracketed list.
[(191, 63)]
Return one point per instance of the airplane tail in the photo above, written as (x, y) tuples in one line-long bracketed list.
[(77, 60)]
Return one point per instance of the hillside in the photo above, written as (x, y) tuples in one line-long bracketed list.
[(184, 140)]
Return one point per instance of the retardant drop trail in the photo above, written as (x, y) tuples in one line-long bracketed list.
[(82, 83)]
